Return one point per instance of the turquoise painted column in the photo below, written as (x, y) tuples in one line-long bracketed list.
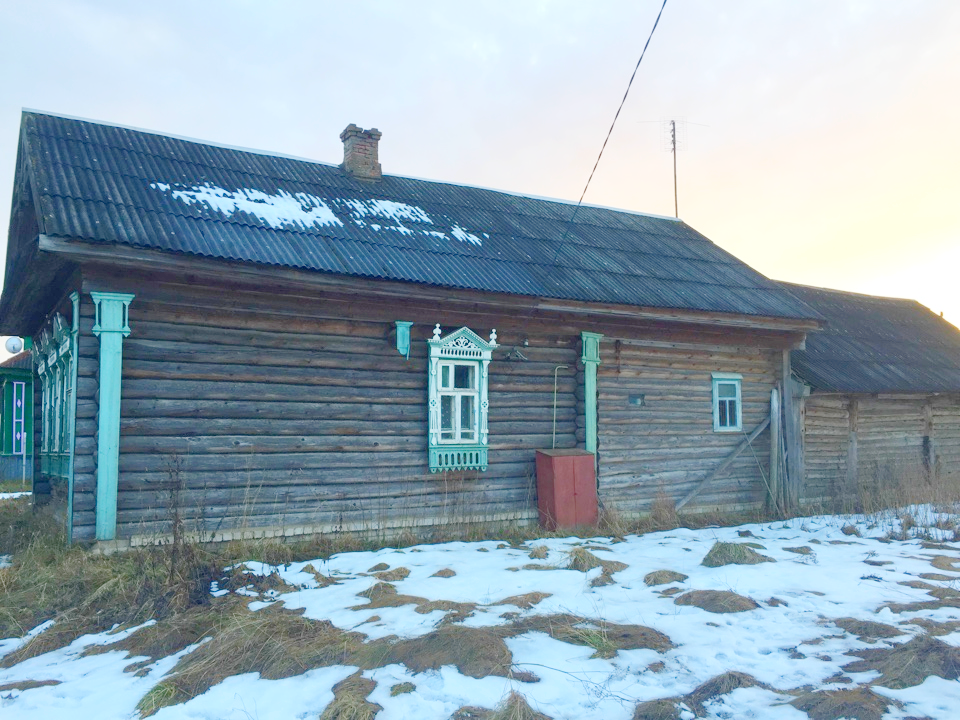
[(111, 326), (590, 359)]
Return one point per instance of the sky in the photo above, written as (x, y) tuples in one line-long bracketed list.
[(820, 142)]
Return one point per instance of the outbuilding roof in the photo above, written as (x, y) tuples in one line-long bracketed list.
[(877, 345), (21, 361), (106, 184)]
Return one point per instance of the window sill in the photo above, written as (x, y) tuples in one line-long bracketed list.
[(458, 457)]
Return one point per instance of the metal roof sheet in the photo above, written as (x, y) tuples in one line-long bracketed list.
[(877, 345), (101, 183)]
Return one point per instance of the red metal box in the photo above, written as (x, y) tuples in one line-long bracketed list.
[(566, 488)]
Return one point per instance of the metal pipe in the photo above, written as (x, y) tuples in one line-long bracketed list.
[(557, 369)]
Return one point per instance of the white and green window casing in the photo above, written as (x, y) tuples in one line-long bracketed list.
[(727, 404), (457, 387)]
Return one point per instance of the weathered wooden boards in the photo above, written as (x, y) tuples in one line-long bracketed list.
[(876, 444), (667, 445)]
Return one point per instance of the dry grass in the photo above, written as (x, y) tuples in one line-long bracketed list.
[(395, 575), (932, 627), (663, 577), (945, 562), (854, 704), (350, 700), (605, 638), (444, 573), (910, 663), (717, 601), (515, 707), (850, 530), (866, 629), (273, 642), (27, 685), (733, 554), (583, 560), (657, 710), (402, 689), (383, 595), (718, 686), (801, 550), (525, 601), (539, 552), (379, 567)]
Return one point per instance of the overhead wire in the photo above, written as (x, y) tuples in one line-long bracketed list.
[(609, 132)]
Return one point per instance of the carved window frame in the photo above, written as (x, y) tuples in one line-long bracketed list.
[(459, 348), (721, 415)]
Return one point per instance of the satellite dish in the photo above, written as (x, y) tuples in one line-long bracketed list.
[(14, 345)]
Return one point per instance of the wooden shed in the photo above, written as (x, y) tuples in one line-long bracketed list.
[(879, 400), (255, 345)]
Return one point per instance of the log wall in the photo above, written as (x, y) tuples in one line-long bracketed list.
[(668, 445), (251, 410)]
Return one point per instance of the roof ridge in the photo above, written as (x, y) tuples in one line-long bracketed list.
[(299, 158)]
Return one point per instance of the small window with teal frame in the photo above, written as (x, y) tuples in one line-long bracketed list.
[(458, 399), (727, 404)]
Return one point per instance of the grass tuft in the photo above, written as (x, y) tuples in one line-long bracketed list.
[(402, 689), (350, 700), (717, 601), (663, 577), (854, 704), (733, 554), (909, 663)]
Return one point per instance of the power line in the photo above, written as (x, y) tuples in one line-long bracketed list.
[(610, 131)]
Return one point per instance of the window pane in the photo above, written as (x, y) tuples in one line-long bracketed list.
[(446, 413), (464, 377), (732, 412), (445, 376), (726, 390), (467, 419), (722, 408)]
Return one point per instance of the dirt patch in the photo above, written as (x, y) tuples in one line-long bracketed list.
[(477, 653), (27, 685), (445, 573), (855, 704), (670, 591), (717, 601), (394, 575), (944, 562), (801, 550), (539, 552), (867, 629), (402, 689), (663, 577), (939, 577), (583, 560), (733, 554), (350, 700), (605, 638), (910, 663), (526, 601)]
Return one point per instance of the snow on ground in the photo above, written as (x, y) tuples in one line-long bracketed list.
[(788, 642)]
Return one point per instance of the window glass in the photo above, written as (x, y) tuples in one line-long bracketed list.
[(467, 418), (445, 376), (463, 377), (446, 417), (726, 390)]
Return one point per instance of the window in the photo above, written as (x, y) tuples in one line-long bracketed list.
[(727, 412), (458, 405), (53, 367)]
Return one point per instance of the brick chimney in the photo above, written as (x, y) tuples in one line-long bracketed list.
[(360, 158)]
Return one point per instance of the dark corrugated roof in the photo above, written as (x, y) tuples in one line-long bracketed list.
[(21, 361), (877, 345), (103, 183)]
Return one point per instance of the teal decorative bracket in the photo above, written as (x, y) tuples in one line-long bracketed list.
[(590, 359), (111, 325), (403, 337)]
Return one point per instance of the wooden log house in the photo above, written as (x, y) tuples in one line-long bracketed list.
[(877, 396), (252, 345)]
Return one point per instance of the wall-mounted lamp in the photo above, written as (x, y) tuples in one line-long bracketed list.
[(403, 337)]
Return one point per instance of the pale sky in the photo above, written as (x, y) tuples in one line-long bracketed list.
[(822, 142)]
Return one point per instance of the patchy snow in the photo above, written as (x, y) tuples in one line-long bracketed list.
[(279, 210), (284, 210), (790, 641)]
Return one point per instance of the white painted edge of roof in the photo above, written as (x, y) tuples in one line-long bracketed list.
[(269, 153)]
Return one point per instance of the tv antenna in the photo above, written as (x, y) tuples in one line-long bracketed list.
[(673, 138)]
